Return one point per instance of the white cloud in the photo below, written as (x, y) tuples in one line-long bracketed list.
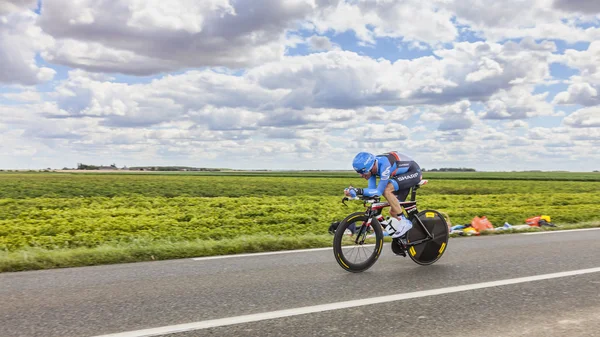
[(516, 124), (318, 43), (144, 37), (331, 80), (379, 133), (162, 100), (584, 118), (376, 113), (411, 20), (586, 136), (584, 87), (518, 103), (432, 22), (538, 133), (581, 6), (578, 93), (20, 40), (344, 79), (223, 119), (487, 68), (509, 19), (10, 6), (458, 116), (520, 141), (586, 61), (23, 96), (94, 56)]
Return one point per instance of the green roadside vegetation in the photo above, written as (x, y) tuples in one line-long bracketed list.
[(50, 220)]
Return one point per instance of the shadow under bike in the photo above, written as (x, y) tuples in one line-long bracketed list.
[(360, 235)]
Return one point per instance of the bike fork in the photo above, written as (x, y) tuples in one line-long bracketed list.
[(361, 232)]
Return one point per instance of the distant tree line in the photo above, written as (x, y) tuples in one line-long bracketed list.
[(81, 166), (171, 168), (452, 169)]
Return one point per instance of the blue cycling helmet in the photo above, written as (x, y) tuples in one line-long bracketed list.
[(363, 162)]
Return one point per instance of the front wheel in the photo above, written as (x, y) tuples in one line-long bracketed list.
[(357, 244)]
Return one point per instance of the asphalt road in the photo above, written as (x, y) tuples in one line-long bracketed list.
[(101, 300)]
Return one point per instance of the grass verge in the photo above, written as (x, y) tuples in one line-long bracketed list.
[(36, 258)]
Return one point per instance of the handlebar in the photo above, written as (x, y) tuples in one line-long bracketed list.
[(365, 200)]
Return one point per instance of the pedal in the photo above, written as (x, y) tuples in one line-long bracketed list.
[(398, 248)]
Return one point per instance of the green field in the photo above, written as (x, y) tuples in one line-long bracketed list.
[(69, 219)]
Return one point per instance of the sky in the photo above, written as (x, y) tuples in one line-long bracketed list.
[(300, 84)]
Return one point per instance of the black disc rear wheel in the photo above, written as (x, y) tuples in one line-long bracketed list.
[(428, 252), (357, 246)]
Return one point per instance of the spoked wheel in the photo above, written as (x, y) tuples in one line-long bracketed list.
[(428, 252), (356, 247)]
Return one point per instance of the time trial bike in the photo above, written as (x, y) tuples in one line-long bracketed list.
[(358, 239)]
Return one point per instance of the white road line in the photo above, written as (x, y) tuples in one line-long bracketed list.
[(269, 253), (259, 254), (563, 231), (165, 330)]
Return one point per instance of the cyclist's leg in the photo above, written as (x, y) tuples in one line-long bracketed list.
[(404, 182), (402, 194), (388, 193)]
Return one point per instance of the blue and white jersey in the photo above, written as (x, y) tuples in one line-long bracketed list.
[(389, 165)]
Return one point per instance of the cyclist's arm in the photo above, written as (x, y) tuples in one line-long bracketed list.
[(385, 170), (371, 192), (372, 186), (373, 182)]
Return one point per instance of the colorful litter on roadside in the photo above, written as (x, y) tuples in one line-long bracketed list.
[(476, 227), (480, 224)]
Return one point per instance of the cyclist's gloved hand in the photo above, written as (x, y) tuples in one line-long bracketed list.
[(347, 191), (352, 192)]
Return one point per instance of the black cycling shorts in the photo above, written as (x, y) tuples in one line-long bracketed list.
[(405, 181)]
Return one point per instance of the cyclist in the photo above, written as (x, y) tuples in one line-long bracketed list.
[(398, 173)]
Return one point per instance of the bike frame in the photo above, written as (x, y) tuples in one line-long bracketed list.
[(374, 211)]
